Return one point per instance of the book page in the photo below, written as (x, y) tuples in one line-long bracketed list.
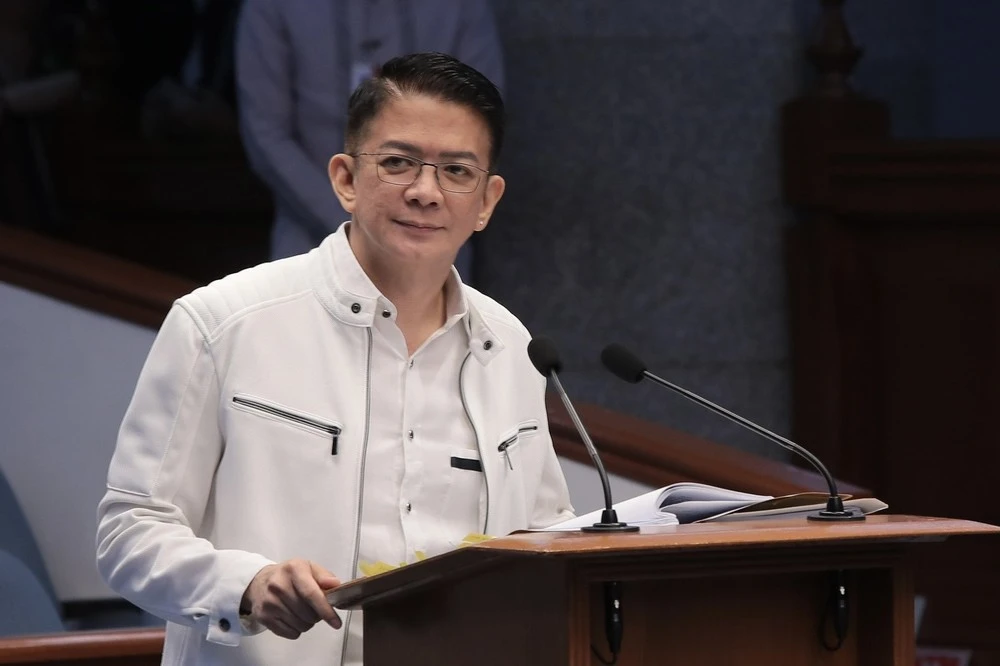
[(690, 491), (639, 510), (694, 511), (691, 502), (867, 505)]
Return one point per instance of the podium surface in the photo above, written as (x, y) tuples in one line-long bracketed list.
[(742, 592)]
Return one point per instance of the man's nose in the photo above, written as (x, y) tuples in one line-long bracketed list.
[(426, 184)]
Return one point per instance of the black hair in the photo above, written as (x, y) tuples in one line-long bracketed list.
[(434, 74)]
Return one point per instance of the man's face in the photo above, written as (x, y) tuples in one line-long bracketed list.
[(422, 222)]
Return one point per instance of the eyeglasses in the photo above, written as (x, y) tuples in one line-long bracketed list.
[(404, 170)]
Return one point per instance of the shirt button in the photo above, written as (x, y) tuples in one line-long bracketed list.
[(410, 434), (386, 314), (409, 507), (411, 363), (224, 624), (488, 345), (356, 308)]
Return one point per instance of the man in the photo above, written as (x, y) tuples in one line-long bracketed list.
[(297, 63), (353, 404)]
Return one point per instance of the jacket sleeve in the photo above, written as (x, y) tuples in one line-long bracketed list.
[(264, 71), (479, 42), (159, 485), (552, 502)]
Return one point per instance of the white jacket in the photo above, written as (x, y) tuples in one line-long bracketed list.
[(204, 490)]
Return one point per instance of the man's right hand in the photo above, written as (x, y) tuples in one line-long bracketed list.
[(290, 597)]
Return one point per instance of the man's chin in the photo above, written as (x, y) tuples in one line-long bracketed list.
[(421, 251)]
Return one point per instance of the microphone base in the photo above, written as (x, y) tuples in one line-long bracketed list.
[(834, 516), (610, 528)]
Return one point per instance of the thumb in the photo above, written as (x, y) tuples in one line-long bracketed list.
[(323, 578)]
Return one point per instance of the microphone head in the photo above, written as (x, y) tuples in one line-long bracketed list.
[(623, 363), (544, 356)]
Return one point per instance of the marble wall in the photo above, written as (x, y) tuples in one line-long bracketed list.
[(644, 203)]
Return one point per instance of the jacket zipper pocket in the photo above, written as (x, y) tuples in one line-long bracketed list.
[(505, 445), (330, 429)]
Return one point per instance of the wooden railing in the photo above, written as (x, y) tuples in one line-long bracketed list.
[(86, 278), (124, 647), (630, 447)]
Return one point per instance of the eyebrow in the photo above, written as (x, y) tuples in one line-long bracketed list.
[(417, 151)]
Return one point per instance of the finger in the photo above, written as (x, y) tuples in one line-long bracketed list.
[(310, 592), (327, 581), (335, 621), (283, 602), (281, 628), (275, 608), (300, 614)]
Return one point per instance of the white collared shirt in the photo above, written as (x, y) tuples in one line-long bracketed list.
[(420, 496)]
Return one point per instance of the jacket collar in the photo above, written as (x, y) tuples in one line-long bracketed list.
[(347, 293)]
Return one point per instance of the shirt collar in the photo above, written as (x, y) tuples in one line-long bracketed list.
[(347, 292)]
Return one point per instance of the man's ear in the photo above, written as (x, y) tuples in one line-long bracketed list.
[(492, 192), (341, 172)]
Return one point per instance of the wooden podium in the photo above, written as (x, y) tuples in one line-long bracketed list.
[(743, 593)]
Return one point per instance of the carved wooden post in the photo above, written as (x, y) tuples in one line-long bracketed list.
[(829, 112), (833, 52), (811, 125)]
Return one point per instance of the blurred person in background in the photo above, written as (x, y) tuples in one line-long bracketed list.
[(297, 62)]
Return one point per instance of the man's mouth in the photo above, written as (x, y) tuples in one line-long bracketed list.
[(419, 226)]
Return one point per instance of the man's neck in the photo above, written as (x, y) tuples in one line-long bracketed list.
[(420, 299)]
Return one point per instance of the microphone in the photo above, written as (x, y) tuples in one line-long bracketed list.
[(545, 357), (626, 365)]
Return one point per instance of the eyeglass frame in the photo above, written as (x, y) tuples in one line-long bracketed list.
[(422, 164)]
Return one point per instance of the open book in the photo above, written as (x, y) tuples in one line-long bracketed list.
[(690, 502)]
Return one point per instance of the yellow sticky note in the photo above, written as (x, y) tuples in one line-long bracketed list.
[(374, 568), (473, 538)]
